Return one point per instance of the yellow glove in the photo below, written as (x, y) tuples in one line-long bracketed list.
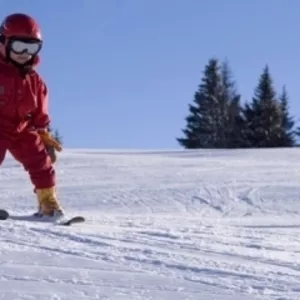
[(49, 140)]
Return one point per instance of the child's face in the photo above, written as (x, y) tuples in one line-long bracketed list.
[(20, 58)]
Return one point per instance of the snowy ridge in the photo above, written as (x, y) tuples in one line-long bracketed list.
[(208, 224)]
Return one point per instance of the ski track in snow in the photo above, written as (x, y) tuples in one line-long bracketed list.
[(160, 225)]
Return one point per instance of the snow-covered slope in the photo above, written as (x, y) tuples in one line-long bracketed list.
[(160, 225)]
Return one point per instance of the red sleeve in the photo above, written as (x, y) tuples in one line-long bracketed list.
[(41, 117)]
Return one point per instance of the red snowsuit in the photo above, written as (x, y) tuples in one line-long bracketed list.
[(23, 110)]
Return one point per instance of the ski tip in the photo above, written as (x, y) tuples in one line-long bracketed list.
[(4, 214), (73, 220)]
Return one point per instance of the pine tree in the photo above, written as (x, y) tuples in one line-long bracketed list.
[(51, 150), (287, 138), (222, 107), (57, 136), (238, 126), (263, 115), (231, 123), (247, 126), (202, 122), (297, 134)]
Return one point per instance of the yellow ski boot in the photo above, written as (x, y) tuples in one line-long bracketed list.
[(48, 203)]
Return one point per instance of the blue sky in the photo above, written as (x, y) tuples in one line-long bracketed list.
[(121, 73)]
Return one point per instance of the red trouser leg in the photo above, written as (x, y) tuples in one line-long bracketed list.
[(30, 151), (3, 149)]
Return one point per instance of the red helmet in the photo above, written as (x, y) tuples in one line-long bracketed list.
[(20, 26)]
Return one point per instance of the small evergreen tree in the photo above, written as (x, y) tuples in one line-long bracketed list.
[(263, 116), (222, 105), (232, 135), (57, 136), (238, 137), (246, 125), (51, 151), (297, 134), (202, 122), (287, 138), (215, 116)]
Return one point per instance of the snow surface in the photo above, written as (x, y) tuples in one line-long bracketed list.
[(179, 225)]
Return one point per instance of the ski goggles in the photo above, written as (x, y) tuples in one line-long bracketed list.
[(22, 46)]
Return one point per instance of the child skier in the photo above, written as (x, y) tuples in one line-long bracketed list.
[(24, 116)]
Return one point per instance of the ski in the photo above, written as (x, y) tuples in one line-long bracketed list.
[(5, 215), (71, 221)]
